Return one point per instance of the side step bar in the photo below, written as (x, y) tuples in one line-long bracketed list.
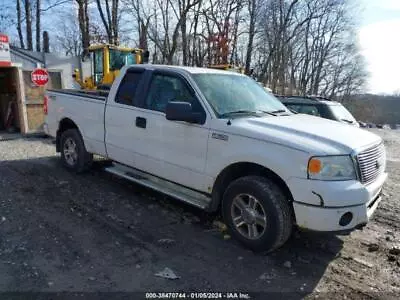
[(171, 189)]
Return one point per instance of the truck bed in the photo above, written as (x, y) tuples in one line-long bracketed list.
[(95, 94), (85, 108)]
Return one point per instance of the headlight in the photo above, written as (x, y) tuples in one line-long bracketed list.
[(331, 168)]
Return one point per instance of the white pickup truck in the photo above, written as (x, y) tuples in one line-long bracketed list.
[(219, 141)]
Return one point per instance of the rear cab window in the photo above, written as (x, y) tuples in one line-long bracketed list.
[(128, 87)]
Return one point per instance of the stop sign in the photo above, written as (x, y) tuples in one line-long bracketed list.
[(40, 77)]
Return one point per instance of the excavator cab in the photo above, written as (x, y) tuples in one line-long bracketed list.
[(106, 62)]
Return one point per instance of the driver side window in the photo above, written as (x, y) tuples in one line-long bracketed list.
[(166, 88)]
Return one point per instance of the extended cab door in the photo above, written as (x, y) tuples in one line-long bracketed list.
[(139, 134)]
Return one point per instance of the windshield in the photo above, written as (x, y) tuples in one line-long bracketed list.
[(228, 93), (119, 58), (341, 113)]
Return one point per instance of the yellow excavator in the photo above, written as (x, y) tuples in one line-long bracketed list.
[(227, 67), (106, 61)]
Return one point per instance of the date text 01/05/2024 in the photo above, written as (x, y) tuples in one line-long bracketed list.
[(197, 295)]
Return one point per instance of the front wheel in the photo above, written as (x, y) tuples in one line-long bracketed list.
[(73, 152), (257, 213)]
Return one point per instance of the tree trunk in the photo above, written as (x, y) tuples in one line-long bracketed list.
[(104, 20), (143, 28), (114, 19), (28, 21), (83, 19), (110, 20), (252, 29), (19, 25), (182, 5), (38, 25), (46, 42), (184, 42)]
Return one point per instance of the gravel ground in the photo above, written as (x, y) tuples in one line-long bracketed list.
[(96, 233)]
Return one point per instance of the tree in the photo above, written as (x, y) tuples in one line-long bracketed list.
[(38, 27), (165, 39), (293, 46), (110, 19), (83, 20), (28, 24), (68, 38), (252, 6), (142, 18), (220, 14), (19, 25)]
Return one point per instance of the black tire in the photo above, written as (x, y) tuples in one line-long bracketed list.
[(83, 159), (275, 206)]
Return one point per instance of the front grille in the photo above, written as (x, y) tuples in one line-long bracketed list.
[(372, 163)]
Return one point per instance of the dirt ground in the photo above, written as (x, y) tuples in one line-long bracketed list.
[(96, 233)]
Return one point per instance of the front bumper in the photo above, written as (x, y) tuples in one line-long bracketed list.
[(325, 214)]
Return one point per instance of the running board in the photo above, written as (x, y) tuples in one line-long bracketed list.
[(166, 187)]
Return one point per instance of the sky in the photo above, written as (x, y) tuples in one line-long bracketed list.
[(379, 37)]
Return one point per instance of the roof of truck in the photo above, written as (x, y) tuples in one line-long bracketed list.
[(192, 70)]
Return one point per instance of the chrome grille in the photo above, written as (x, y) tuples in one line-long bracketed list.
[(372, 163)]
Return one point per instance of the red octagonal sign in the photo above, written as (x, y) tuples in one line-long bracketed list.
[(40, 77)]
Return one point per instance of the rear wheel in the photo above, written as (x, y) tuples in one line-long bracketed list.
[(257, 213), (73, 152)]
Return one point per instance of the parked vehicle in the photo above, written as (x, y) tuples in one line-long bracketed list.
[(319, 106), (219, 141), (106, 61)]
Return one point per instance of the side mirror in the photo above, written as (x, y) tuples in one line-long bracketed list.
[(182, 111)]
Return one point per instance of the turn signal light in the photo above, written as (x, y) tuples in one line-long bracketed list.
[(314, 166)]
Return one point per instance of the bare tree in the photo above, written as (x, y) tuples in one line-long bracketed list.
[(173, 13), (28, 24), (110, 19), (252, 7), (19, 25), (83, 20), (38, 25), (294, 46), (219, 17), (68, 38), (142, 17)]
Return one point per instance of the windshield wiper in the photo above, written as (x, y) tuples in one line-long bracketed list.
[(242, 111), (274, 112), (278, 111), (348, 121), (251, 112)]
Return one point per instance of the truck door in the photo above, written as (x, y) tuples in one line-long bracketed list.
[(121, 133), (139, 135), (175, 150)]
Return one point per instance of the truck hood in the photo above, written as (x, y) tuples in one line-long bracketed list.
[(315, 135)]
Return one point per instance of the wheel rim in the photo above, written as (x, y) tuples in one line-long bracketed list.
[(248, 216), (70, 152)]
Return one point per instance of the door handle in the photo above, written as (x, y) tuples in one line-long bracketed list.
[(141, 122)]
